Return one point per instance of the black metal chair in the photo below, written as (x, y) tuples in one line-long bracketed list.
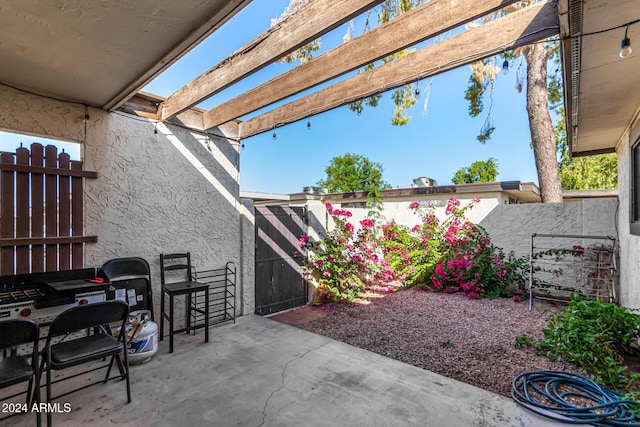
[(129, 273), (100, 344), (15, 369), (179, 265)]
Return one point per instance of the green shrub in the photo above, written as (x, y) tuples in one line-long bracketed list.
[(522, 340), (592, 334)]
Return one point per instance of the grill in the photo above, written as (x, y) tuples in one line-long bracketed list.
[(12, 296), (42, 296)]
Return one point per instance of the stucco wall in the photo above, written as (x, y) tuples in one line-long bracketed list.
[(629, 244), (511, 226), (397, 209), (170, 191)]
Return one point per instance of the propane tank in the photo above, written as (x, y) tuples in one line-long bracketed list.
[(142, 337)]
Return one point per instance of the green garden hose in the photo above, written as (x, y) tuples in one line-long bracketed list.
[(546, 392)]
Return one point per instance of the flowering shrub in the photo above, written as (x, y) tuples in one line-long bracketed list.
[(345, 259), (452, 255)]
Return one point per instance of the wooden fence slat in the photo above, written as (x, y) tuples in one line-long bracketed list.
[(7, 215), (22, 211), (37, 209), (47, 170), (27, 241), (41, 211), (77, 217), (50, 208), (64, 212)]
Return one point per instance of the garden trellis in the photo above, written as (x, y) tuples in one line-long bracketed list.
[(564, 265)]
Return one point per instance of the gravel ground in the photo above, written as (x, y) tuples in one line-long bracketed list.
[(469, 340)]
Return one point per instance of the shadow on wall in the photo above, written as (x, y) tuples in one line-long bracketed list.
[(510, 226), (222, 170), (316, 224)]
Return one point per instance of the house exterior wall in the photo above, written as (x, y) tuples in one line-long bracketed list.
[(629, 243), (171, 191)]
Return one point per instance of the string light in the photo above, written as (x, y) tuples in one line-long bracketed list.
[(505, 67), (275, 137), (417, 91), (625, 45), (309, 124)]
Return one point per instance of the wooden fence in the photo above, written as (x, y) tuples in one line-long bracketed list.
[(41, 211)]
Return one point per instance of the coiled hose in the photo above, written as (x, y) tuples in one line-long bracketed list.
[(546, 392)]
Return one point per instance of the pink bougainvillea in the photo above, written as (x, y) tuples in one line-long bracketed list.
[(448, 254)]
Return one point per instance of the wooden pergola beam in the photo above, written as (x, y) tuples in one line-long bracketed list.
[(315, 19), (421, 23), (516, 29)]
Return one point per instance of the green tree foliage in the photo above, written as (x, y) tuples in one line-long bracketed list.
[(403, 97), (353, 172), (479, 171), (305, 53), (583, 173)]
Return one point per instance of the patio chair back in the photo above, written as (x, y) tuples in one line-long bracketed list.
[(15, 369)]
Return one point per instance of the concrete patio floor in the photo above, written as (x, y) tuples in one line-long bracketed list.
[(259, 372)]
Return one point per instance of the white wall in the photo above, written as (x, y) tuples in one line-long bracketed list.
[(173, 191), (397, 209), (629, 244), (511, 226)]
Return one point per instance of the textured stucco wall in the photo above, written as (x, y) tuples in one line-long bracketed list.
[(397, 209), (629, 243), (511, 226), (170, 191), (246, 294)]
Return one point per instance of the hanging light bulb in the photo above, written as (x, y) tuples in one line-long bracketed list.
[(275, 137), (625, 45), (242, 145), (505, 67), (417, 91), (309, 125)]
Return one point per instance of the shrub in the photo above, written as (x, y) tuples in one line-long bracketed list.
[(452, 255), (522, 340), (344, 259), (592, 334)]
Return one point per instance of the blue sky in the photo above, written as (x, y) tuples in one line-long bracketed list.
[(434, 144)]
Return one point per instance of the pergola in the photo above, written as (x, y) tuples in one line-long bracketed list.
[(101, 55)]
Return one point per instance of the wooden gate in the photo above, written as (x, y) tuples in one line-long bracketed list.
[(280, 284)]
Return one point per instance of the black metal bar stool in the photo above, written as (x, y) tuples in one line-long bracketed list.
[(176, 263)]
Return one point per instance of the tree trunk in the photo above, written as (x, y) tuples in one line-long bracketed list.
[(543, 137)]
